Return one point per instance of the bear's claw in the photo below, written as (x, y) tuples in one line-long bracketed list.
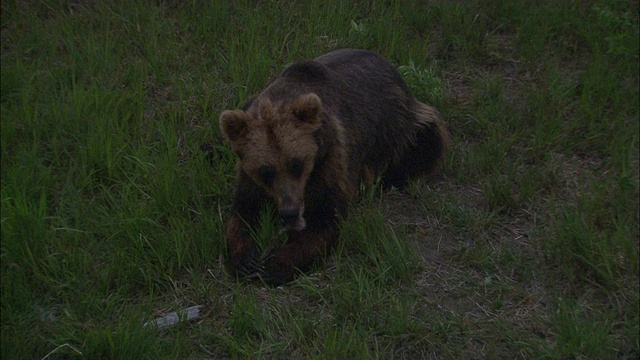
[(248, 265), (276, 278), (250, 269), (275, 272)]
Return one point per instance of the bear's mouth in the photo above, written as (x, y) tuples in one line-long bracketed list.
[(300, 224)]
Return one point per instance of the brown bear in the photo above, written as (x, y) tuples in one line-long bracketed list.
[(307, 142)]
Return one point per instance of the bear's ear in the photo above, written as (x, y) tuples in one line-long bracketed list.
[(307, 107), (233, 124)]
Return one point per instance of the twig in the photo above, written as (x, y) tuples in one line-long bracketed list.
[(174, 318), (60, 347)]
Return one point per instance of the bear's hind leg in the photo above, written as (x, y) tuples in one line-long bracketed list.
[(424, 154)]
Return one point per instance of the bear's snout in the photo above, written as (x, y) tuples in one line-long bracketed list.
[(292, 217), (289, 215)]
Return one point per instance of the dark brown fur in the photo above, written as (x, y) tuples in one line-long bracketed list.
[(306, 143)]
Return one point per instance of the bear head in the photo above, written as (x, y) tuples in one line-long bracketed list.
[(276, 143)]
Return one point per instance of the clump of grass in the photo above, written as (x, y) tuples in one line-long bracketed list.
[(592, 248), (580, 334), (378, 246), (424, 83)]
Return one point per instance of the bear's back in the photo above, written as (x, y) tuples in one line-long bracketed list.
[(346, 75), (362, 91), (377, 106), (364, 70)]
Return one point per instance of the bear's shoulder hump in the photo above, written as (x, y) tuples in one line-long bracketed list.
[(306, 71)]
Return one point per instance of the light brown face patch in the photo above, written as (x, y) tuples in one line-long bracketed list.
[(280, 159), (278, 147)]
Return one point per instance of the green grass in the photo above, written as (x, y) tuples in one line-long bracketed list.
[(525, 245)]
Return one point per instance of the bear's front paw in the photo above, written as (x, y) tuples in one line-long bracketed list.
[(277, 272), (247, 265)]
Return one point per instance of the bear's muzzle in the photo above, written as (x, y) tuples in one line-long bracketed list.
[(293, 217)]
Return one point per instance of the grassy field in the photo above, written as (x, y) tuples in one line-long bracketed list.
[(525, 245)]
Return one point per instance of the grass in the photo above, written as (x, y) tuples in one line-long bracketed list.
[(524, 246)]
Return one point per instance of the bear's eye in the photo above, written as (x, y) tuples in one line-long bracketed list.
[(296, 167), (267, 174)]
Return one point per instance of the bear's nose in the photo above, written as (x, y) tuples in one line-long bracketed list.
[(289, 215)]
